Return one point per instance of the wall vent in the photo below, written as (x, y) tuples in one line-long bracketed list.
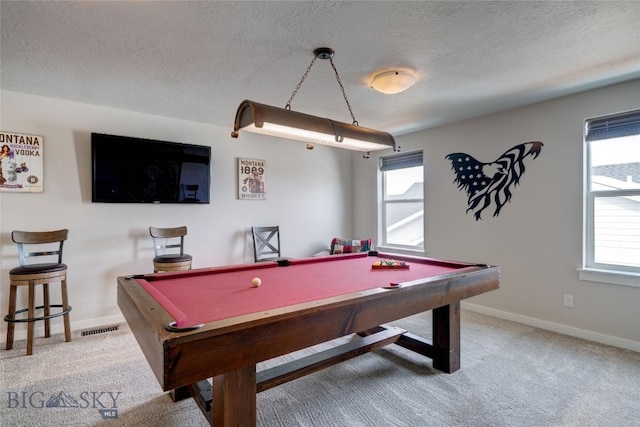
[(100, 330)]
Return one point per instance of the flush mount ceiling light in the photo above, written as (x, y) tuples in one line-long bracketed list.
[(285, 123), (394, 81)]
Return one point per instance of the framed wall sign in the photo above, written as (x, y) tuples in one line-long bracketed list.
[(251, 179), (21, 163)]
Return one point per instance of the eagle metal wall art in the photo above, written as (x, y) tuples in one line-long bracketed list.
[(491, 183)]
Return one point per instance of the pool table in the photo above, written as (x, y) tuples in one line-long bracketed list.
[(204, 330)]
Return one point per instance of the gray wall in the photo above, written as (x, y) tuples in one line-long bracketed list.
[(308, 195), (537, 238)]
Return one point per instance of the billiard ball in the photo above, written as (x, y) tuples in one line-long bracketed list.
[(255, 282)]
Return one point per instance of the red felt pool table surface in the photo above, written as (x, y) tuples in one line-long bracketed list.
[(210, 294), (226, 326)]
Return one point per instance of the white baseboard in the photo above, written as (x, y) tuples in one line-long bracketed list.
[(57, 327), (555, 327)]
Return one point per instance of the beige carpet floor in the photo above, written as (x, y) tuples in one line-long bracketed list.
[(511, 375)]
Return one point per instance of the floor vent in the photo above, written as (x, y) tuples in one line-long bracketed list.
[(100, 330)]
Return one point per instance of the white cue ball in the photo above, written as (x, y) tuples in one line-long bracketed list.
[(255, 282)]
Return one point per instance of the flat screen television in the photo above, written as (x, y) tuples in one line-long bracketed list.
[(136, 170)]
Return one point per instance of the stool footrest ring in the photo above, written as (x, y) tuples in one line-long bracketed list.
[(35, 319)]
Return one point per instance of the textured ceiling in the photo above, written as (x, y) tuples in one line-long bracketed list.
[(198, 60)]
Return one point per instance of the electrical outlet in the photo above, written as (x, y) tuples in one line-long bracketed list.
[(568, 300)]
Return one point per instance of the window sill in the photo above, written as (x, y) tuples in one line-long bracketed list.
[(623, 278), (402, 251)]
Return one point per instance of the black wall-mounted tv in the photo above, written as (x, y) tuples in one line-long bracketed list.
[(136, 170)]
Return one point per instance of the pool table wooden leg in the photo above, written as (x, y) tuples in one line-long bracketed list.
[(180, 394), (201, 394), (234, 398), (446, 337)]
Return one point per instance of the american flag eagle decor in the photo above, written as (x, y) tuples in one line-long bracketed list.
[(491, 182)]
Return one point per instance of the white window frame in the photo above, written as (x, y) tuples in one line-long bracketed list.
[(600, 128), (395, 162)]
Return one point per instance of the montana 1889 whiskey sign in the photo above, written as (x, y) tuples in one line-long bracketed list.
[(251, 179), (21, 163)]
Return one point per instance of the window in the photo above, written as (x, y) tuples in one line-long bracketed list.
[(612, 219), (402, 216)]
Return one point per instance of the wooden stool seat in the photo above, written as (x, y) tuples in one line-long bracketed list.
[(32, 275), (25, 272), (163, 263)]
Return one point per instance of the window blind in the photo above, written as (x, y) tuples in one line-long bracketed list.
[(401, 161), (613, 126)]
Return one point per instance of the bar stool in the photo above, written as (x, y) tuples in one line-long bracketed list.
[(32, 274), (168, 245)]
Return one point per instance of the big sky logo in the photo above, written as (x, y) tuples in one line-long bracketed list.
[(106, 402)]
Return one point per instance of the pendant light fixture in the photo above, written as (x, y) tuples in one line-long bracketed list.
[(285, 123)]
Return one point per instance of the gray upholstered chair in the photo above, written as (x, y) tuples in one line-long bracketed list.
[(266, 243)]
